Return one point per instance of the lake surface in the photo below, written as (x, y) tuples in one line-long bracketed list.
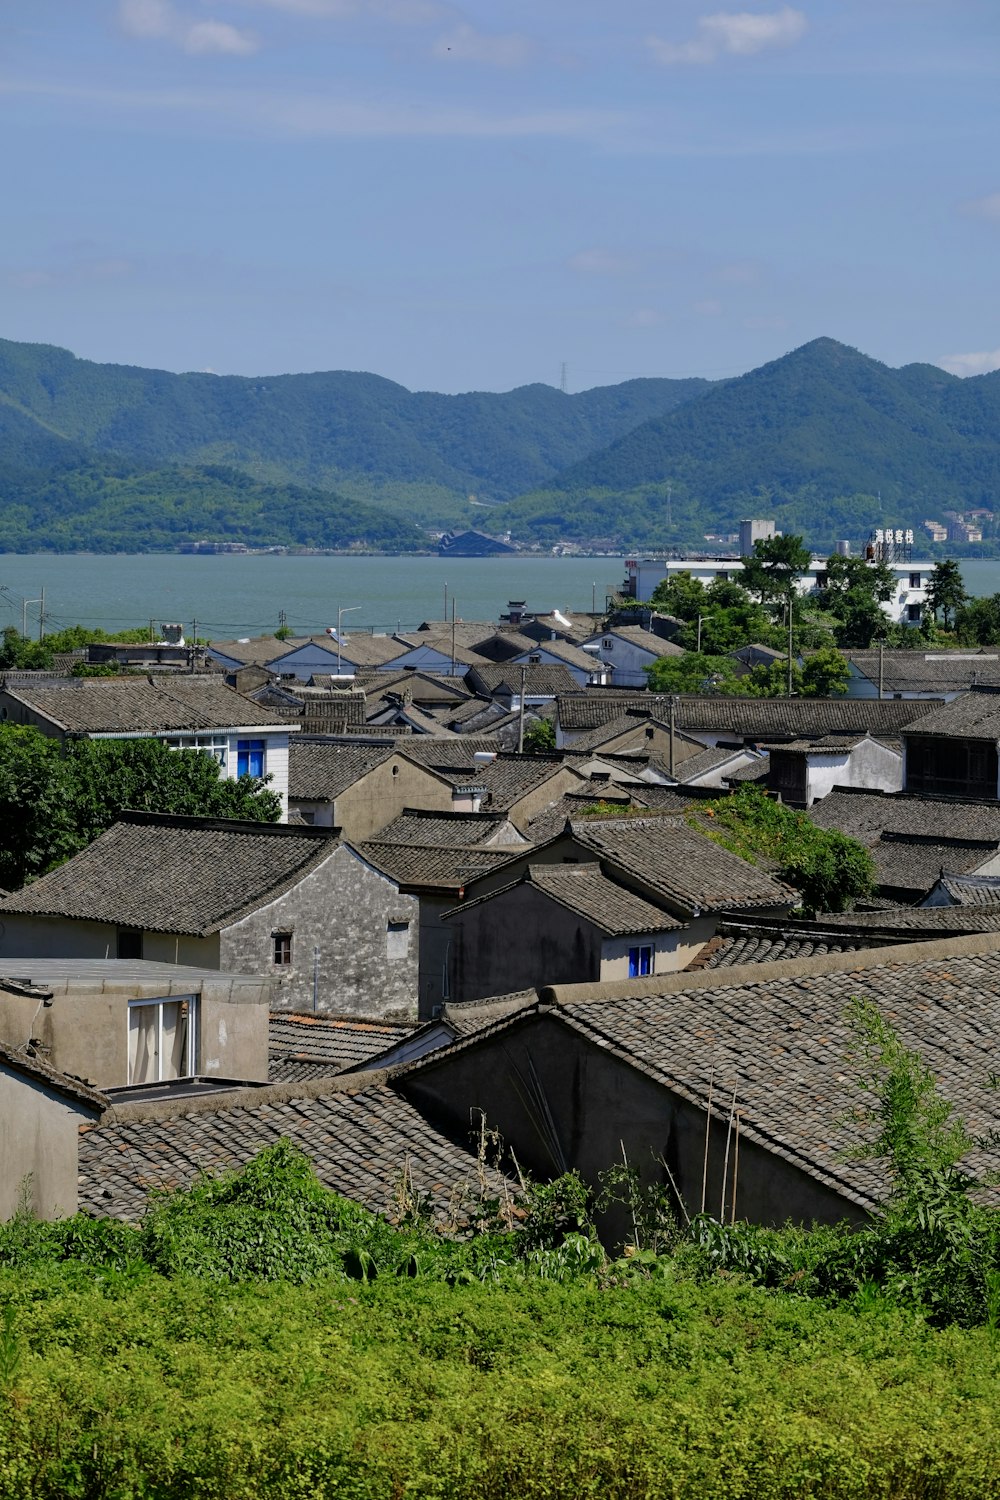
[(242, 595)]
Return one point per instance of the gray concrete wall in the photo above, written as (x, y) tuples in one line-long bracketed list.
[(598, 1104), (38, 1148), (371, 803), (62, 937), (85, 1028), (515, 940), (343, 908)]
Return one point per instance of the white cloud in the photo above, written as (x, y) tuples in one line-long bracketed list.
[(736, 33), (711, 307), (465, 44), (971, 364), (598, 262), (218, 36), (984, 208), (403, 12), (158, 19), (645, 317)]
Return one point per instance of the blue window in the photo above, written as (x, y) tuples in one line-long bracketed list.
[(249, 757), (640, 962)]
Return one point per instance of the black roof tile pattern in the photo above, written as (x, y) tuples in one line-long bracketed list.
[(973, 716), (585, 891), (450, 830), (762, 719), (144, 705), (183, 875), (360, 1136), (322, 770), (914, 862), (645, 640), (678, 864), (572, 805), (425, 867), (565, 651), (540, 679), (867, 815), (304, 1045), (973, 890), (778, 1033), (732, 947), (929, 671)]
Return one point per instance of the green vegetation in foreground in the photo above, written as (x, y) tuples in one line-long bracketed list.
[(259, 1337), (828, 869)]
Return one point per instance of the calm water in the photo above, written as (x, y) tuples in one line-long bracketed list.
[(240, 595), (243, 595)]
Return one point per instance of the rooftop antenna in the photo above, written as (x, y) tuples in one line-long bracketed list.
[(562, 377)]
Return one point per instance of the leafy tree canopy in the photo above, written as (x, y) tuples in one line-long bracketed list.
[(775, 566), (946, 592), (55, 799)]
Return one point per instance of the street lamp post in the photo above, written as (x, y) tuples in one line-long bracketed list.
[(341, 612)]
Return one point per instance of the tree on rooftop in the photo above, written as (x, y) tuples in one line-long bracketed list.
[(694, 672), (825, 674)]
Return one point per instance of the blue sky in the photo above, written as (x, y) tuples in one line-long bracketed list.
[(466, 196)]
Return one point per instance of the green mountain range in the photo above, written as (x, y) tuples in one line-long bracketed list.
[(825, 440), (74, 430)]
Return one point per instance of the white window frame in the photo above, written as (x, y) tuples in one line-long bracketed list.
[(216, 745), (191, 1048)]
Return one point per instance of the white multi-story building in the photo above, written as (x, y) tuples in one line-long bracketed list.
[(905, 606)]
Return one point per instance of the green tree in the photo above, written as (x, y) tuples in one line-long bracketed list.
[(54, 799), (828, 869), (36, 805), (854, 594), (540, 737), (680, 595), (977, 622), (694, 672), (825, 674), (774, 568), (946, 591)]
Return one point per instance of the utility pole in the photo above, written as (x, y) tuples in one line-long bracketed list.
[(194, 641), (41, 615), (562, 377), (453, 637), (520, 712), (789, 645), (282, 619), (343, 610), (673, 720), (446, 604), (881, 669), (699, 636)]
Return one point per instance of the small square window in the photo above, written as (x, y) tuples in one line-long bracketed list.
[(640, 962), (914, 580), (397, 940), (914, 613), (129, 943), (250, 757), (282, 942)]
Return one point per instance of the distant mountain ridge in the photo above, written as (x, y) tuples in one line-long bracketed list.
[(812, 439), (359, 434), (826, 440)]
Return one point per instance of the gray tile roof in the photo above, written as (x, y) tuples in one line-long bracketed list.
[(678, 864), (761, 719), (303, 1045), (973, 890), (540, 680), (565, 651), (914, 862), (432, 867), (448, 752), (585, 891), (321, 770), (778, 1034), (257, 651), (360, 1135), (645, 640), (917, 921), (450, 830), (732, 946), (973, 716), (930, 671), (867, 815), (145, 705), (183, 875)]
